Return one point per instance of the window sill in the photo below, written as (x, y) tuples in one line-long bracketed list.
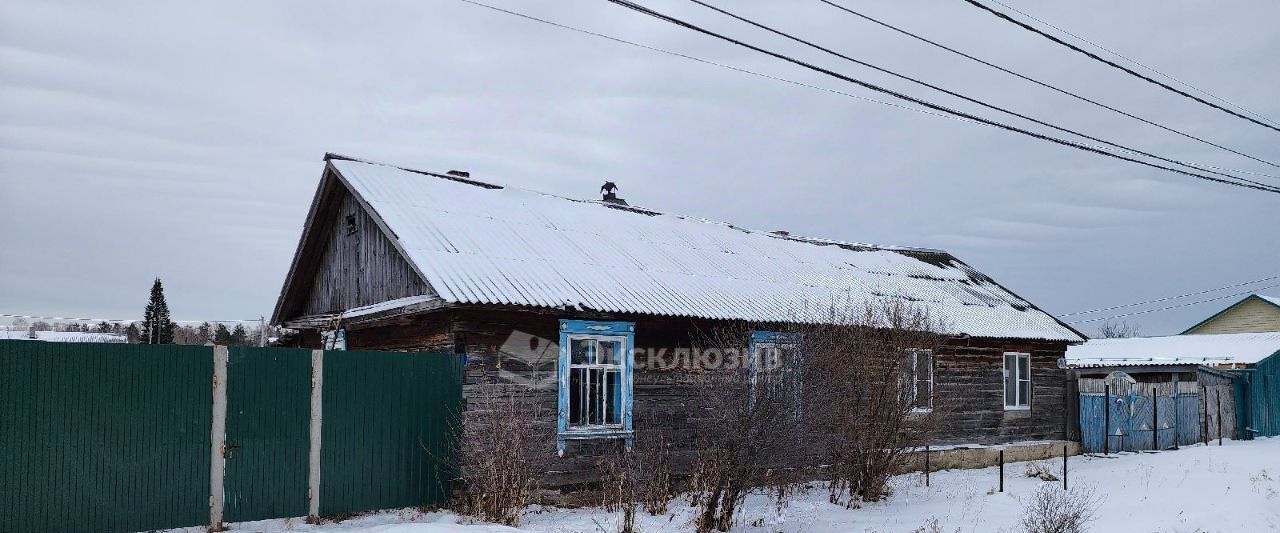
[(594, 433), (1017, 408), (921, 410)]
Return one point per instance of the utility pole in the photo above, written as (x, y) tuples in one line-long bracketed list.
[(262, 331)]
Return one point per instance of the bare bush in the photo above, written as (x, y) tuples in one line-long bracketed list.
[(1053, 510), (863, 398), (505, 453), (749, 433)]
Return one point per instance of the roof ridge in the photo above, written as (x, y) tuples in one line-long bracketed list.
[(821, 241)]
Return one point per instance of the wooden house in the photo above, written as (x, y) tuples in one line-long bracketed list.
[(1254, 314), (553, 292)]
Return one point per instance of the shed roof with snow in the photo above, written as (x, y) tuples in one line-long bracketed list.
[(475, 243), (1211, 350)]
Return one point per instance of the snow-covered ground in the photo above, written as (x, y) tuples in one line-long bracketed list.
[(1233, 488)]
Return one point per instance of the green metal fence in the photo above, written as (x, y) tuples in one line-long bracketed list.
[(389, 430), (103, 437), (113, 437), (268, 433)]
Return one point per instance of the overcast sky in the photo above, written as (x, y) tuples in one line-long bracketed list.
[(143, 139)]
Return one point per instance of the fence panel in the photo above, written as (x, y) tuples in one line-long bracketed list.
[(104, 437), (268, 430), (1135, 409), (389, 434)]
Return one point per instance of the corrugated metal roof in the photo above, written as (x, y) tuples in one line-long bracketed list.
[(1274, 300), (1246, 348), (503, 245)]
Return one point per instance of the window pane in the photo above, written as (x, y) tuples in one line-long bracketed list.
[(580, 351), (922, 394), (596, 405), (1024, 392), (1023, 371), (577, 400), (608, 354), (614, 383), (924, 366), (1010, 380)]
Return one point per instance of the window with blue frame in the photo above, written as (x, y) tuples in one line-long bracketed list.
[(772, 352), (595, 375)]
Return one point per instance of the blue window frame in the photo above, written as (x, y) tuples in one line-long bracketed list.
[(595, 376), (771, 351)]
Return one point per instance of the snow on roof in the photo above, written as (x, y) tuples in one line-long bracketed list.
[(1274, 300), (1247, 348), (477, 243), (62, 336)]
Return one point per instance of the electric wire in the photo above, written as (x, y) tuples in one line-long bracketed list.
[(1053, 88), (1113, 64), (120, 320), (1188, 304), (1136, 62), (715, 64), (1168, 298), (632, 5)]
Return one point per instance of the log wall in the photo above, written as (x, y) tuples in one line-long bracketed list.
[(968, 380)]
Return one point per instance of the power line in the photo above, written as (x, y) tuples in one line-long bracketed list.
[(1108, 62), (1136, 62), (636, 7), (1216, 298), (715, 64), (1049, 86), (1167, 298)]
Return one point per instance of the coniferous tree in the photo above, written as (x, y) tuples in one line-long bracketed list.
[(157, 328), (204, 333), (221, 335), (239, 337), (103, 327), (132, 333)]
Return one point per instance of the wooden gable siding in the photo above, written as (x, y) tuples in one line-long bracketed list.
[(359, 265), (1252, 315)]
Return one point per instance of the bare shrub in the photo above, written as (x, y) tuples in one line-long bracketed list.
[(505, 452), (749, 431), (862, 398), (1053, 510)]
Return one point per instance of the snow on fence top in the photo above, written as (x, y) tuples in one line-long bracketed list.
[(477, 243), (1245, 348)]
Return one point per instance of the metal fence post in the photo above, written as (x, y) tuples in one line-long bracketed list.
[(1064, 467), (1001, 470)]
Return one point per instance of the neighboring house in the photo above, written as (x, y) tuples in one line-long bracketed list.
[(1248, 362), (1254, 314), (61, 336), (524, 283)]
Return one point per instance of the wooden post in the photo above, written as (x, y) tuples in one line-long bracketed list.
[(1106, 417), (926, 465), (313, 452), (1064, 467), (1155, 420), (1204, 429), (1219, 395), (1001, 470), (1177, 429)]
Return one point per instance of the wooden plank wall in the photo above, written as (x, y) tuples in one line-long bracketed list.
[(359, 265)]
